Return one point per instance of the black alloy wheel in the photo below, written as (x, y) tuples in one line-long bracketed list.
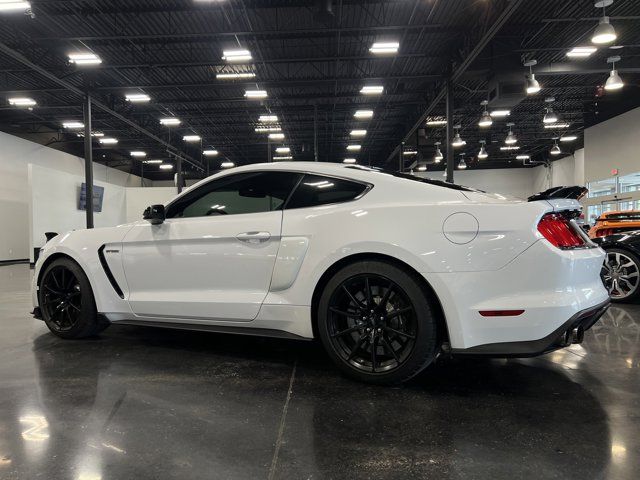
[(66, 301), (377, 324), (621, 275)]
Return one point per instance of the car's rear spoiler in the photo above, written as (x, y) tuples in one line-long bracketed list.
[(556, 193)]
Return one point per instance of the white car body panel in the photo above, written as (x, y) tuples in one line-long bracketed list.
[(477, 251)]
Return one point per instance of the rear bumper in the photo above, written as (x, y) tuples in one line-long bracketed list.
[(555, 340)]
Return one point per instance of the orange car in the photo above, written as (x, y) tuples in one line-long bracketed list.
[(615, 222)]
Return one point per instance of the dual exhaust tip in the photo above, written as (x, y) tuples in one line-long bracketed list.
[(573, 336)]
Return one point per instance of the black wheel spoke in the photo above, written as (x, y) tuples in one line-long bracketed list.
[(367, 292), (343, 313), (387, 346), (398, 332), (353, 299), (60, 286), (374, 354), (356, 347), (385, 297), (74, 307), (346, 331), (55, 292), (400, 311)]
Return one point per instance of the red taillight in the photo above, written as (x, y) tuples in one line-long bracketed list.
[(559, 231), (604, 232)]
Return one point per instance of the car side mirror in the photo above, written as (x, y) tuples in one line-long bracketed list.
[(155, 214)]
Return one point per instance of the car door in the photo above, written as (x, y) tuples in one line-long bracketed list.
[(213, 257)]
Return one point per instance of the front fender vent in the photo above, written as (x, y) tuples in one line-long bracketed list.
[(107, 271)]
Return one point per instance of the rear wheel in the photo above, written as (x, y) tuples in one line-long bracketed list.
[(66, 301), (376, 323), (621, 275)]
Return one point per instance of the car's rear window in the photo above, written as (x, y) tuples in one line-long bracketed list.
[(429, 181)]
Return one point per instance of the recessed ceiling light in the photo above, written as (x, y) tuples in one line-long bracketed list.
[(166, 166), (73, 124), (283, 157), (523, 157), (276, 136), (283, 150), (255, 94), (410, 151), (108, 141), (358, 133), (557, 125), (568, 138), (84, 58), (372, 89), (349, 160), (384, 47), (227, 164), (509, 147), (234, 76), (268, 118), (138, 153), (436, 122), (210, 153), (236, 55), (152, 161), (137, 97), (22, 102), (354, 148), (363, 114), (192, 138), (500, 113), (9, 5), (170, 121), (581, 52), (268, 129), (93, 134)]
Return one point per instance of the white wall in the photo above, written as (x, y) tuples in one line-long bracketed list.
[(139, 198), (15, 156), (566, 171), (614, 143)]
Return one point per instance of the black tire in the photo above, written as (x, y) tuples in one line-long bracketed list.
[(66, 301), (402, 317), (621, 275)]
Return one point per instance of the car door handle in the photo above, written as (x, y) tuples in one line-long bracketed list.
[(253, 237)]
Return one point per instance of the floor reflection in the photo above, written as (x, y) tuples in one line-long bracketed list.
[(151, 403)]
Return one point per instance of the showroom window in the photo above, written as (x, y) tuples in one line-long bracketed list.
[(629, 183), (243, 193), (600, 188), (317, 190)]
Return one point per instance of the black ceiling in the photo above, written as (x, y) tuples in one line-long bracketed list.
[(312, 58)]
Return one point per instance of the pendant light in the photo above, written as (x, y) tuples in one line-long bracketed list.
[(604, 32), (457, 139), (422, 168), (438, 157), (614, 82), (485, 119), (555, 150), (482, 154), (532, 85), (511, 138), (550, 116), (462, 164)]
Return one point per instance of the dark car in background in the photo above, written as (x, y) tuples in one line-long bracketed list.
[(621, 269)]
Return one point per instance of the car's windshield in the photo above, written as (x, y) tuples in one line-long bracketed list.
[(430, 181)]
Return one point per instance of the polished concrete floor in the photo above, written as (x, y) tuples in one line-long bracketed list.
[(150, 403)]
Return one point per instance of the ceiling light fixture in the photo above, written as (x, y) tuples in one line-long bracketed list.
[(438, 157), (363, 114), (268, 118), (166, 166), (235, 56), (532, 85), (152, 161), (511, 138), (604, 33), (410, 151), (72, 125), (436, 122), (210, 153), (138, 154), (500, 113), (557, 125), (354, 148), (268, 129), (283, 157), (462, 164), (550, 116), (614, 82), (227, 164), (170, 121), (283, 150), (192, 138), (358, 133), (10, 6), (349, 160), (485, 119), (276, 136), (255, 94), (522, 157), (568, 138), (137, 97), (22, 102), (482, 154), (555, 150), (457, 139), (385, 48), (108, 141), (507, 148), (372, 89), (84, 58), (422, 167), (93, 134), (581, 52), (234, 76)]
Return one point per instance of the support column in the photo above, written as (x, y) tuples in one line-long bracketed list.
[(179, 178), (400, 159), (88, 159), (315, 132), (448, 146)]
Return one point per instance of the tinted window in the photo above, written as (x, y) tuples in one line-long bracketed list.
[(406, 176), (242, 193), (316, 190)]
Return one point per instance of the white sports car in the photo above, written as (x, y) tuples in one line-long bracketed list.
[(388, 270)]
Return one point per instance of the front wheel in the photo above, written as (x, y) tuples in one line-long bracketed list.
[(376, 323), (66, 301), (621, 275)]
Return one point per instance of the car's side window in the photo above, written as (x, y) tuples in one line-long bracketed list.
[(316, 190), (251, 192)]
